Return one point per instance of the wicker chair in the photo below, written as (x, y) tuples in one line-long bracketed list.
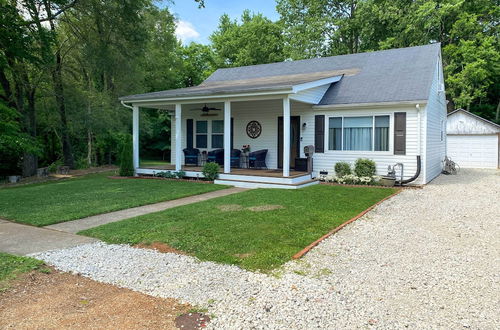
[(257, 159), (191, 156), (216, 156), (235, 158)]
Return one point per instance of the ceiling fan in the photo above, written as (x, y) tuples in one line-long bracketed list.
[(206, 110)]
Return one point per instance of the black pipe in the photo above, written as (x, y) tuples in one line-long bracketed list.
[(413, 178)]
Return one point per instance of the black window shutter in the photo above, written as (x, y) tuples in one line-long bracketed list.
[(189, 133), (319, 133), (400, 133)]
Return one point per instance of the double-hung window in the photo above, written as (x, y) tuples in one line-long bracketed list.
[(217, 134), (364, 133), (201, 133)]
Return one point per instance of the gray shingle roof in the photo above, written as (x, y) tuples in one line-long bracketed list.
[(403, 74)]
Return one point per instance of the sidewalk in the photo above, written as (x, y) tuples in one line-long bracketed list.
[(21, 239), (90, 222)]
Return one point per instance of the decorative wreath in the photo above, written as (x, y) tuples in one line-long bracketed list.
[(254, 129)]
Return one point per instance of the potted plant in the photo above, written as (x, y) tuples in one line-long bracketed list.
[(245, 148)]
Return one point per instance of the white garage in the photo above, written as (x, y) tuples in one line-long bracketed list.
[(472, 141)]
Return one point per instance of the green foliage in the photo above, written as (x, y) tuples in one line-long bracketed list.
[(62, 200), (166, 174), (180, 174), (126, 158), (342, 169), (467, 31), (255, 40), (211, 171), (246, 235), (365, 167)]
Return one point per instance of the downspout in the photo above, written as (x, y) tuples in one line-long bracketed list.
[(419, 149)]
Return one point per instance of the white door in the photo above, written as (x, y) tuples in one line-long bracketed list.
[(473, 151)]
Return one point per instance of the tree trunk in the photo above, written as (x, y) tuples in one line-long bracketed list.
[(497, 116), (59, 93)]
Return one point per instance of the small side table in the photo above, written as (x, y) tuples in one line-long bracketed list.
[(244, 160), (203, 158)]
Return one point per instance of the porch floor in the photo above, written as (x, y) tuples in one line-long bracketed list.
[(278, 173)]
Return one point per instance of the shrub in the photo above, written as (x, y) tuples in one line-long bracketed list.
[(211, 171), (180, 174), (342, 169), (126, 158), (166, 174), (365, 167)]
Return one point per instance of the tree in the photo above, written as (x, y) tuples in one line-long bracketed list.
[(256, 40), (126, 158)]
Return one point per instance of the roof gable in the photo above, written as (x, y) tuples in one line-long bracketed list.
[(464, 122)]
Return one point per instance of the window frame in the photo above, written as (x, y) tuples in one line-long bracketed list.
[(363, 114), (212, 134), (201, 134)]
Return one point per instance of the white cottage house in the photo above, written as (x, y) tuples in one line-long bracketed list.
[(473, 142), (388, 106)]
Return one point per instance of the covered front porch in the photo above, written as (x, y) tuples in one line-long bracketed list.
[(256, 135)]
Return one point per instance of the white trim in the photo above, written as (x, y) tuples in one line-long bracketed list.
[(370, 152), (178, 137), (367, 105), (227, 137), (135, 138), (188, 99), (316, 83), (286, 136)]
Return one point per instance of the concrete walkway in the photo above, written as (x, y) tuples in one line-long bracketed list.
[(21, 239), (101, 219)]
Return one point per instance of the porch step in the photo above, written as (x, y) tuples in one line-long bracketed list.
[(261, 184), (265, 179)]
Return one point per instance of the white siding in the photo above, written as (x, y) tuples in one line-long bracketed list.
[(435, 132), (267, 113), (311, 95), (326, 161)]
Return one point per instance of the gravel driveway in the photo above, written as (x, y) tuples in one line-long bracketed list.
[(427, 258)]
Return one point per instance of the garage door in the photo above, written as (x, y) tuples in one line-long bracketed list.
[(474, 151)]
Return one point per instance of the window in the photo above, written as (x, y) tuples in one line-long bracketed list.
[(382, 133), (367, 133), (201, 133), (335, 136), (217, 134)]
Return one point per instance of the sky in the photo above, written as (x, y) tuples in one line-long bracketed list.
[(196, 24)]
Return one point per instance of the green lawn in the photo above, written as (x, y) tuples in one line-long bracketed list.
[(153, 162), (57, 201), (12, 266), (225, 230)]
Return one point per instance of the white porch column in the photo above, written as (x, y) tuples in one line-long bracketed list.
[(135, 137), (286, 136), (178, 137), (227, 137)]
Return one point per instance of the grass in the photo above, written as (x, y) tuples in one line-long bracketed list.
[(12, 266), (58, 201), (153, 162), (253, 240)]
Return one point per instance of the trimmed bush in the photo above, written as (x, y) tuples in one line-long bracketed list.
[(126, 158), (365, 167), (180, 174), (342, 169), (211, 171)]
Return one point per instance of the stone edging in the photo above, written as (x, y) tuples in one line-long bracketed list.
[(302, 252)]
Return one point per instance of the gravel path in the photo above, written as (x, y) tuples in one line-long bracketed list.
[(427, 258)]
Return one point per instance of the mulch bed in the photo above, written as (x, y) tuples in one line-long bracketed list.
[(159, 178), (370, 186)]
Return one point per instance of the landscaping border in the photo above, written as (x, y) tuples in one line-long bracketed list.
[(158, 178), (302, 252), (370, 186)]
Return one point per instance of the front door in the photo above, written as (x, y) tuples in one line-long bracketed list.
[(294, 140)]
